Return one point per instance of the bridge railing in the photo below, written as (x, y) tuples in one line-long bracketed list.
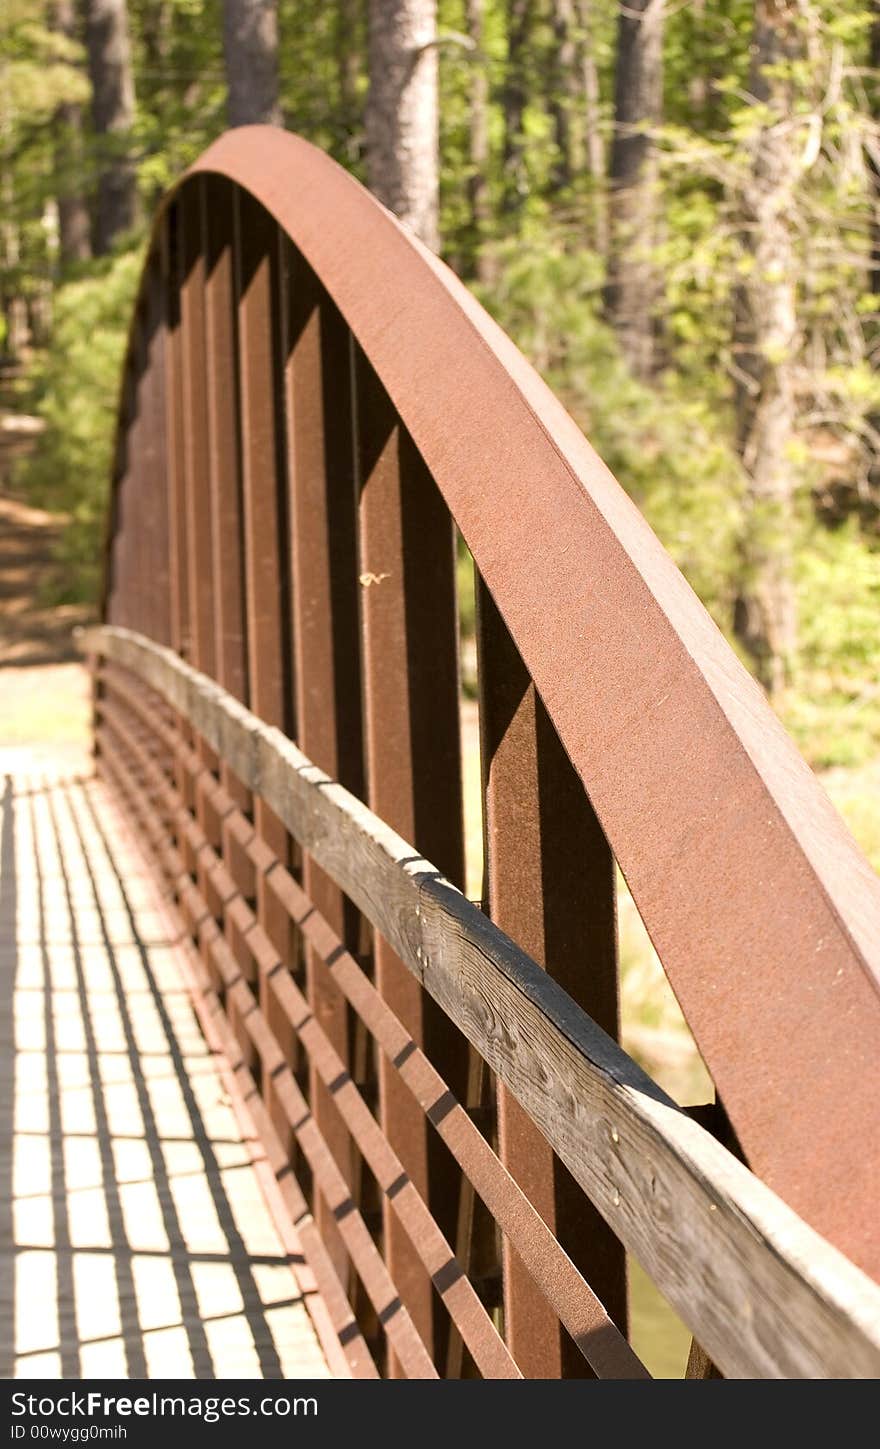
[(312, 406)]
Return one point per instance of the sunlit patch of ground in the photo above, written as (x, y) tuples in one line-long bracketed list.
[(45, 717)]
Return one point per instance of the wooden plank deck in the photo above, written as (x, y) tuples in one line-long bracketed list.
[(135, 1238)]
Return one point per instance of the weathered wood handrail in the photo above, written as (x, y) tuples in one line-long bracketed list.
[(764, 1294), (311, 404)]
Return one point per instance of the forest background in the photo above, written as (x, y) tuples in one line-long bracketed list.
[(673, 207)]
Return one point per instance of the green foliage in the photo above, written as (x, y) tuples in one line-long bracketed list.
[(664, 446), (834, 712), (672, 442), (77, 385)]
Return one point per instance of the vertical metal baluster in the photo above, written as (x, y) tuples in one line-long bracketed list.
[(175, 440), (154, 448), (199, 519), (176, 467), (325, 624), (268, 650), (134, 479), (195, 405), (550, 876), (146, 472), (224, 451), (112, 600), (413, 753), (124, 570)]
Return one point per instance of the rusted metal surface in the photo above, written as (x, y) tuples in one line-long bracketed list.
[(223, 440), (256, 284), (406, 571), (179, 603), (154, 453), (193, 402), (550, 885), (224, 454), (764, 913), (193, 412), (321, 504)]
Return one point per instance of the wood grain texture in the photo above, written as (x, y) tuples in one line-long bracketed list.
[(762, 1292), (453, 1287), (573, 1300)]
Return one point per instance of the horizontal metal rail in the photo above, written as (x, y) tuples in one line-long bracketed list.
[(762, 1292)]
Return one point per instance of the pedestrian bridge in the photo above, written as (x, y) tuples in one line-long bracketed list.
[(286, 1099)]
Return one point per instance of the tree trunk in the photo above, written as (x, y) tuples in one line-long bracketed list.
[(250, 46), (638, 107), (565, 99), (74, 225), (513, 101), (156, 36), (349, 60), (867, 501), (698, 88), (873, 164), (402, 118), (109, 53), (767, 338), (478, 181), (14, 305), (594, 148)]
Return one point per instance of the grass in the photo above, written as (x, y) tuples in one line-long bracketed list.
[(47, 705)]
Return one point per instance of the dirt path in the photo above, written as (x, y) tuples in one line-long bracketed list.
[(44, 709), (32, 629)]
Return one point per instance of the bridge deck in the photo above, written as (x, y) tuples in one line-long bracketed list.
[(135, 1239)]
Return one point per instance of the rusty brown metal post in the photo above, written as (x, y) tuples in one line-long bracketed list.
[(199, 513), (194, 399), (177, 547), (265, 526), (325, 627), (130, 496), (180, 603), (410, 652), (550, 885), (155, 444), (224, 453), (224, 443)]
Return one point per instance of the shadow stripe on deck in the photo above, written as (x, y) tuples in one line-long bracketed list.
[(134, 1237)]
